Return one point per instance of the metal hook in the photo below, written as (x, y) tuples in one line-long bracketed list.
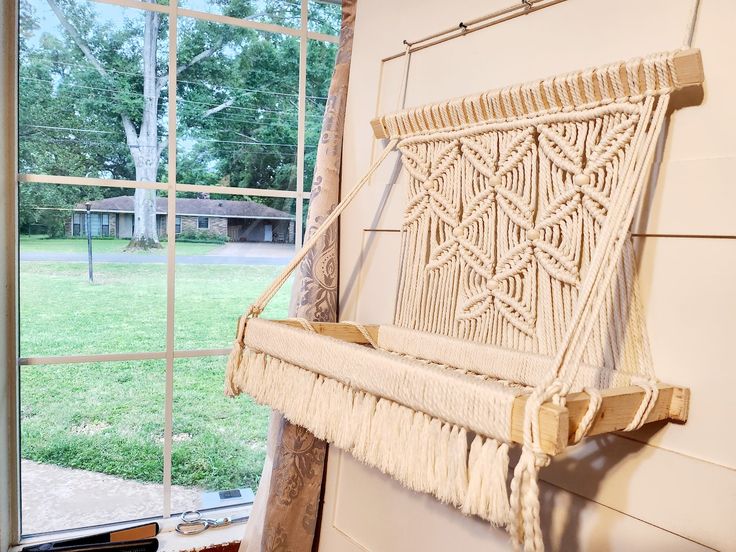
[(527, 3), (463, 26)]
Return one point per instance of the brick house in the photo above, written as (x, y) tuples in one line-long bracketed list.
[(238, 220)]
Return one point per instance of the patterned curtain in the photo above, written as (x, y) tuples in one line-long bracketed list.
[(286, 510)]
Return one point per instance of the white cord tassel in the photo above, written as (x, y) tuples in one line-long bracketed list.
[(235, 360), (524, 526)]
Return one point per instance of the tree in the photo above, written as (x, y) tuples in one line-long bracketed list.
[(93, 101), (240, 114), (143, 141)]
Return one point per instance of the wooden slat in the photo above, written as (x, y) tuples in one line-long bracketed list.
[(688, 71), (341, 331), (379, 131), (554, 423), (689, 67), (617, 409), (620, 404), (557, 424)]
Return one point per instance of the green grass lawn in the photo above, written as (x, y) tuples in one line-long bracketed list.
[(108, 417), (42, 244)]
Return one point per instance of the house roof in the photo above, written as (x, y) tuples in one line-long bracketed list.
[(198, 207)]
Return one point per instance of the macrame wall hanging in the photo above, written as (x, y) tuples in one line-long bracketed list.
[(518, 319)]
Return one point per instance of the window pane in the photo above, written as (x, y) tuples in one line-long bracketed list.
[(219, 442), (238, 107), (91, 444), (74, 111), (250, 241), (286, 13), (305, 218), (61, 312), (320, 66), (324, 17)]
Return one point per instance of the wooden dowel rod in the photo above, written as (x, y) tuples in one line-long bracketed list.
[(557, 424), (476, 24)]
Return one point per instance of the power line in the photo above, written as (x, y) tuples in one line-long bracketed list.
[(195, 82), (260, 111), (274, 144), (253, 90), (69, 128), (198, 139), (227, 142)]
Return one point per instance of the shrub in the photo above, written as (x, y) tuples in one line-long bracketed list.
[(202, 236), (54, 222)]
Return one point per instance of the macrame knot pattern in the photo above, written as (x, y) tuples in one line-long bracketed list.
[(516, 255), (501, 224)]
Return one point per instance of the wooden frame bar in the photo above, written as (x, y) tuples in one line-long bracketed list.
[(687, 71), (557, 424)]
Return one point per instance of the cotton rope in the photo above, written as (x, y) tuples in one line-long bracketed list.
[(364, 332), (515, 240), (586, 422), (304, 323), (258, 306)]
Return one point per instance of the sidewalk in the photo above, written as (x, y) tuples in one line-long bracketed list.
[(57, 498)]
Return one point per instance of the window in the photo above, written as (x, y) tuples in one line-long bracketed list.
[(121, 360), (77, 224), (105, 225)]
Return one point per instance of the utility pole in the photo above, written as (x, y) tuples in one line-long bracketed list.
[(88, 225)]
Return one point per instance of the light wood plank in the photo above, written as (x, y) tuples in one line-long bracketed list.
[(557, 424), (689, 68), (554, 424), (688, 72), (379, 131), (338, 330), (620, 404)]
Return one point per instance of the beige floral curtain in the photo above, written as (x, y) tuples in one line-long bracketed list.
[(285, 515)]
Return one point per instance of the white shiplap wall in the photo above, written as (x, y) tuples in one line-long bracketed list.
[(666, 488)]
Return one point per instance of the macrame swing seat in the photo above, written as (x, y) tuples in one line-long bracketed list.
[(518, 319)]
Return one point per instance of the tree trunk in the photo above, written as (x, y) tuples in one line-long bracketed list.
[(145, 148)]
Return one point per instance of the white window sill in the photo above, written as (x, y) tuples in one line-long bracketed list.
[(169, 540)]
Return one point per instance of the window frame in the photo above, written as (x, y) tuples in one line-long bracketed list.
[(10, 492), (105, 225), (206, 223), (77, 224), (9, 431)]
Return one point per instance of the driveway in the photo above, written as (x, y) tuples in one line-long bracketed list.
[(255, 250), (227, 254)]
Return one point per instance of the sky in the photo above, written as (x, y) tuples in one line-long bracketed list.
[(115, 15)]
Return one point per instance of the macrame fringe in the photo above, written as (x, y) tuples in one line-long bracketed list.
[(524, 522), (421, 452), (233, 362)]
